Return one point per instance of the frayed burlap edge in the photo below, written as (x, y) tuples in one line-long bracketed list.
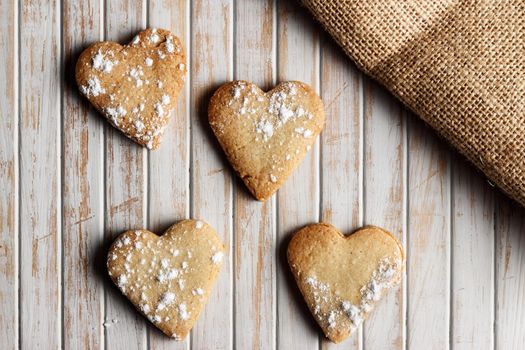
[(454, 64)]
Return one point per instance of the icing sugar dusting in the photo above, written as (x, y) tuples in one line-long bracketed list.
[(165, 300), (264, 127), (159, 110), (136, 74), (170, 47), (154, 37), (236, 91), (122, 280), (115, 114), (353, 312), (139, 125), (331, 320), (165, 99), (93, 87), (217, 257), (283, 106), (102, 63), (198, 291), (285, 113), (307, 133), (167, 274), (144, 308), (183, 312), (334, 312)]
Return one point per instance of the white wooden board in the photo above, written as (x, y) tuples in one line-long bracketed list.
[(70, 183)]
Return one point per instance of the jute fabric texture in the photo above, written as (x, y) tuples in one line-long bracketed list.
[(459, 65)]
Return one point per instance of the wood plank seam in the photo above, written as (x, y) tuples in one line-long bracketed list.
[(147, 172), (233, 69), (362, 183), (450, 246), (189, 61), (405, 218), (495, 272), (18, 165), (103, 36), (275, 213), (275, 200), (60, 168), (319, 145)]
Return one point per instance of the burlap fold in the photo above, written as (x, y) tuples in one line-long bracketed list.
[(459, 65)]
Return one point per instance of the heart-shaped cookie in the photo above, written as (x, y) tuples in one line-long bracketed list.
[(341, 278), (134, 86), (167, 278), (265, 135)]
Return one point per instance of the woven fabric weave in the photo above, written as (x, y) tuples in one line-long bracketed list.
[(459, 65)]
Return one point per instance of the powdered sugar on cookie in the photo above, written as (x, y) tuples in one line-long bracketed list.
[(134, 77), (167, 286), (104, 63), (264, 127), (217, 258), (330, 309), (265, 133), (93, 88)]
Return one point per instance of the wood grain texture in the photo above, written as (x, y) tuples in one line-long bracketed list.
[(428, 248), (70, 185), (212, 65), (40, 90), (169, 185), (125, 189), (510, 274), (82, 189), (384, 195), (298, 199), (254, 222), (341, 145), (9, 268), (472, 260)]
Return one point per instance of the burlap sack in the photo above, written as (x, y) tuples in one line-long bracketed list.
[(459, 65)]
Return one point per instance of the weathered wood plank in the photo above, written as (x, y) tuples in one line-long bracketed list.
[(169, 197), (9, 175), (83, 188), (125, 189), (298, 199), (212, 65), (40, 89), (341, 145), (510, 274), (455, 275), (472, 259), (254, 222), (428, 253), (385, 166)]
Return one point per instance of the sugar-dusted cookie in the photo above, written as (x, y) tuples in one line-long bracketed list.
[(265, 135), (167, 278), (134, 86), (341, 278)]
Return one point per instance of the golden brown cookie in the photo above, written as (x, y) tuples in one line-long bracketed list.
[(341, 278), (168, 278), (134, 86), (265, 135)]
